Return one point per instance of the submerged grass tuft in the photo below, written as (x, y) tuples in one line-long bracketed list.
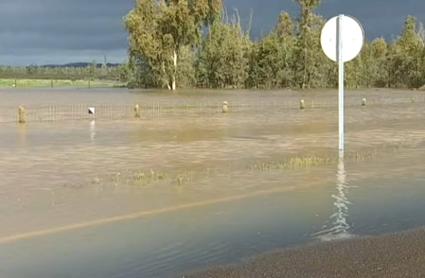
[(144, 178), (184, 178), (298, 162), (316, 160)]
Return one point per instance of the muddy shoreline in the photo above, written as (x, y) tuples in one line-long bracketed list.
[(392, 255)]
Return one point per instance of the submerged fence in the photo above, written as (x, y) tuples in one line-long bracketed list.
[(73, 112), (77, 112), (24, 114)]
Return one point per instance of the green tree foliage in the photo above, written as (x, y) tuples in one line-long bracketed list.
[(272, 58), (407, 56), (188, 43), (159, 30), (223, 60), (74, 72), (186, 75), (371, 68), (310, 67), (396, 64)]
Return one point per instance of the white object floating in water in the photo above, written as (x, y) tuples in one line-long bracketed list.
[(92, 110)]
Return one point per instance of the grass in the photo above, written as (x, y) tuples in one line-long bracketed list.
[(316, 160), (146, 178), (48, 83), (297, 162), (143, 178)]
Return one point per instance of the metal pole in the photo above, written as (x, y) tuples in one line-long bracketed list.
[(340, 83)]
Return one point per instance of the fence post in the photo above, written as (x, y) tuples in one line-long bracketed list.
[(225, 107), (302, 104), (22, 115)]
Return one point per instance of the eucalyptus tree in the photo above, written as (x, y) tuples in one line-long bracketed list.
[(223, 58), (308, 50), (405, 57), (160, 29), (377, 71), (272, 58)]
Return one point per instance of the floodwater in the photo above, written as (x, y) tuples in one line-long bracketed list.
[(186, 186)]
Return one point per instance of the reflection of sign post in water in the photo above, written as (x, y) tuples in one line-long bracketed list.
[(342, 40), (92, 112), (338, 226), (92, 130)]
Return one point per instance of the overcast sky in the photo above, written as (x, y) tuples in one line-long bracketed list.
[(62, 31)]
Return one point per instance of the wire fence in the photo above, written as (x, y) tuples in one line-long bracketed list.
[(51, 113), (74, 112)]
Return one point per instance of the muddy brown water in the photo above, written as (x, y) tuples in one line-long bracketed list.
[(187, 187)]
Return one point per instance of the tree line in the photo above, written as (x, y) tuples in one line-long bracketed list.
[(195, 43), (92, 71)]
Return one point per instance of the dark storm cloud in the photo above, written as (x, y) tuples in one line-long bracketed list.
[(60, 31), (379, 17), (37, 31)]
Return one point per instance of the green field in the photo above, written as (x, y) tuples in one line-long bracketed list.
[(47, 83)]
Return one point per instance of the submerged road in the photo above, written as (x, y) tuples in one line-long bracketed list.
[(136, 215)]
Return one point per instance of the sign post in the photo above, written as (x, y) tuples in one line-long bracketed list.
[(341, 121), (342, 40)]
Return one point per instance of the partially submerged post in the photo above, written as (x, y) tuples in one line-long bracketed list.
[(341, 84), (137, 111), (225, 107), (22, 115), (342, 40), (302, 104)]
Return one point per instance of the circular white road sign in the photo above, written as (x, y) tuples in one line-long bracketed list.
[(352, 38)]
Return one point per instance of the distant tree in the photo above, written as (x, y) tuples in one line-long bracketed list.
[(310, 67), (186, 75), (32, 70), (104, 67), (285, 27), (159, 30), (122, 73), (223, 60), (376, 72), (407, 56), (272, 58)]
